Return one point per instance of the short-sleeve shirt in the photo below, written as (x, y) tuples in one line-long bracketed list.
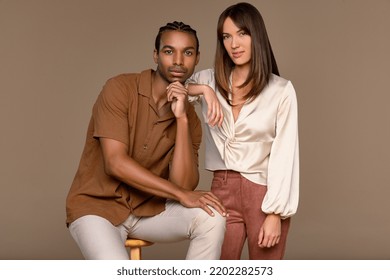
[(125, 111)]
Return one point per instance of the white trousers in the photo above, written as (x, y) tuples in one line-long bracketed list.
[(99, 239)]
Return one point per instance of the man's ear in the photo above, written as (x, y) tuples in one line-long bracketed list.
[(155, 56), (197, 58)]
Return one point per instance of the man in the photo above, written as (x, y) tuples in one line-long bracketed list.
[(139, 167)]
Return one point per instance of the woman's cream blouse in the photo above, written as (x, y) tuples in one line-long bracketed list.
[(262, 144)]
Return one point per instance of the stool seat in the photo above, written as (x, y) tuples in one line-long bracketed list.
[(135, 246)]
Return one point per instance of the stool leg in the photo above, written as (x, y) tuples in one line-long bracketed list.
[(135, 253)]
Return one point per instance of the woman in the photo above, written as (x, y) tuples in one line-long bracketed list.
[(253, 152)]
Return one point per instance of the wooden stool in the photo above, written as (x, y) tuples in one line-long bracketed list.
[(135, 246)]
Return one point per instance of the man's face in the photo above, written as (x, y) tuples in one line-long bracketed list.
[(176, 59)]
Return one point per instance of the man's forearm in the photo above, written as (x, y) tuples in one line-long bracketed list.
[(184, 169), (119, 165), (135, 175)]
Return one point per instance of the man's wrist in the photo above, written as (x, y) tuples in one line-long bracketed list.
[(180, 193), (182, 119)]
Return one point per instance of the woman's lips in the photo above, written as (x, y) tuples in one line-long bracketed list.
[(237, 54)]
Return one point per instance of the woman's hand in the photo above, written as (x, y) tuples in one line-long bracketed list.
[(214, 108), (270, 231)]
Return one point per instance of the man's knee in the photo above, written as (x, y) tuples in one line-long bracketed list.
[(212, 225), (219, 221)]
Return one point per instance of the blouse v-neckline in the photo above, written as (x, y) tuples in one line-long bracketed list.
[(230, 95)]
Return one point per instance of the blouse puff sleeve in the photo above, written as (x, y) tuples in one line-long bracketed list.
[(203, 77), (283, 167)]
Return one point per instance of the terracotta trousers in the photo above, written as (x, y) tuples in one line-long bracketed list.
[(243, 199)]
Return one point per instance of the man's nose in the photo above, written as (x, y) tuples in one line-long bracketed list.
[(178, 59)]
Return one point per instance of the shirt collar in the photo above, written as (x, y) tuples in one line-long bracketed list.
[(145, 83), (145, 89)]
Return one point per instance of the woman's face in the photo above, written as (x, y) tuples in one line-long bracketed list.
[(237, 43)]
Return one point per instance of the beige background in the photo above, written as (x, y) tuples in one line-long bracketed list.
[(56, 55)]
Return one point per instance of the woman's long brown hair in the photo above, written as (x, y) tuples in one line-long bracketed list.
[(263, 64)]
